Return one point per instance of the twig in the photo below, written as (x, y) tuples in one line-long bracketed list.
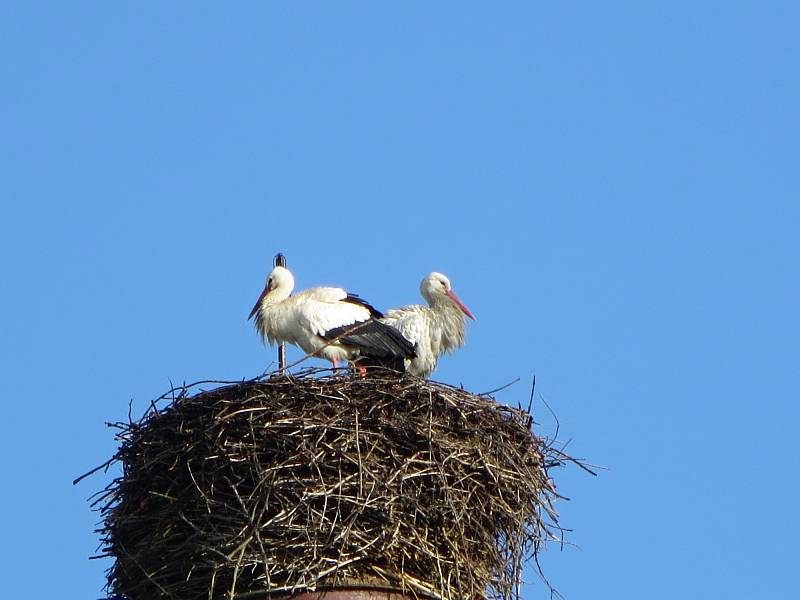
[(95, 470), (508, 385)]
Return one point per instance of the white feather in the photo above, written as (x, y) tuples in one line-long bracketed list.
[(303, 319), (435, 329)]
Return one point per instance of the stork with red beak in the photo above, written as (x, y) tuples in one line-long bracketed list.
[(326, 322), (435, 329)]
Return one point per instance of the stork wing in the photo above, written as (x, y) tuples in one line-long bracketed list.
[(409, 321), (373, 339), (321, 309), (355, 299)]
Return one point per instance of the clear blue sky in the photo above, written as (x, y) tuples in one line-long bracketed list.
[(612, 188)]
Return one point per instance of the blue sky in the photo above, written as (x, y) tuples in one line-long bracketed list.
[(611, 187)]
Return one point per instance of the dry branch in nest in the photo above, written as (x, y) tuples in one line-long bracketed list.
[(315, 481)]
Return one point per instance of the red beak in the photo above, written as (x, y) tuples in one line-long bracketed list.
[(460, 304), (258, 303)]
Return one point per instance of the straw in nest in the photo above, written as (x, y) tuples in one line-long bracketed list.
[(311, 482)]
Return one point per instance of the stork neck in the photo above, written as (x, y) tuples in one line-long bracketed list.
[(450, 324), (277, 295), (433, 300), (439, 302)]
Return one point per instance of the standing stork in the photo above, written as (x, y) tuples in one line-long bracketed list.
[(434, 329), (326, 322)]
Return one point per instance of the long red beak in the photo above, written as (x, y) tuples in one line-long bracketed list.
[(258, 303), (460, 304)]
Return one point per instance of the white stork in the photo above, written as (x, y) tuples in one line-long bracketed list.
[(326, 322), (434, 329)]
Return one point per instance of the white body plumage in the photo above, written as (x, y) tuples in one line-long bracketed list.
[(313, 320), (435, 329)]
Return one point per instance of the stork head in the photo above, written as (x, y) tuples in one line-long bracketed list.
[(436, 289), (280, 284)]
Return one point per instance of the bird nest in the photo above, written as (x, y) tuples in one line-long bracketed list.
[(316, 481)]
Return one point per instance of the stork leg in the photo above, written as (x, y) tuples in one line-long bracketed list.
[(335, 363)]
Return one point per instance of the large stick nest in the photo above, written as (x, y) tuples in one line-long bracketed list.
[(310, 482)]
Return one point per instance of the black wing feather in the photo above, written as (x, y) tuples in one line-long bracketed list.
[(356, 299), (373, 339)]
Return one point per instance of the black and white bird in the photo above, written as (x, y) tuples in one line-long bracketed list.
[(326, 322), (434, 329)]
